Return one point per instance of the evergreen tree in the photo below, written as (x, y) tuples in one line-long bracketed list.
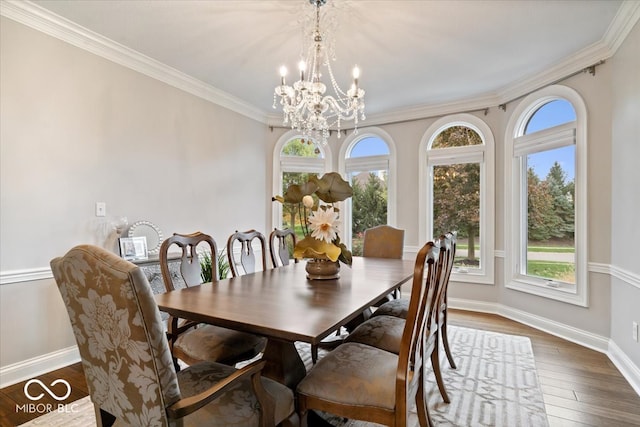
[(541, 221), (300, 148), (562, 202), (369, 204)]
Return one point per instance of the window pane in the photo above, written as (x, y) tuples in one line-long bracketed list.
[(291, 215), (551, 215), (551, 114), (456, 136), (369, 204), (456, 207), (371, 146), (301, 148)]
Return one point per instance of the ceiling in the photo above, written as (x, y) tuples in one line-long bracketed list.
[(413, 54)]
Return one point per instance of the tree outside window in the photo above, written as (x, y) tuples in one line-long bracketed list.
[(546, 197), (367, 167), (456, 196)]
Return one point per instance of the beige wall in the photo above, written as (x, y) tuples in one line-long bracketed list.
[(625, 195), (77, 129), (596, 92)]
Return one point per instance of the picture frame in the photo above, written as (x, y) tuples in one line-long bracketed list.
[(133, 248)]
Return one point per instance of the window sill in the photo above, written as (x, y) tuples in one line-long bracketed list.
[(553, 290), (471, 277)]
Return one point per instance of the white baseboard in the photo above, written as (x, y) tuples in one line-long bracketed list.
[(33, 367), (599, 343), (625, 365)]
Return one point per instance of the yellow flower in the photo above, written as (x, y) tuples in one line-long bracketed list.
[(324, 224)]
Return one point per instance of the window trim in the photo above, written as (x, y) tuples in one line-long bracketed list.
[(374, 162), (293, 164), (514, 205), (482, 154)]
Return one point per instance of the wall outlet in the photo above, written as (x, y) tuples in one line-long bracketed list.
[(635, 331), (101, 209)]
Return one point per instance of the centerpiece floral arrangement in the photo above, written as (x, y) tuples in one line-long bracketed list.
[(320, 221)]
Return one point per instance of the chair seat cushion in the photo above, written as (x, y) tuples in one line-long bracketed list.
[(214, 343), (397, 308), (354, 374), (238, 406), (384, 332)]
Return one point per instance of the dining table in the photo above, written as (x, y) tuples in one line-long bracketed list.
[(284, 306)]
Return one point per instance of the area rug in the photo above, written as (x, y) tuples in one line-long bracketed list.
[(495, 385)]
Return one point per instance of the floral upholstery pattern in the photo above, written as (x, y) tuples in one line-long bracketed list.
[(384, 332), (125, 353)]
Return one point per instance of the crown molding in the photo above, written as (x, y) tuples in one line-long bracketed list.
[(622, 24), (41, 19), (49, 23), (413, 113)]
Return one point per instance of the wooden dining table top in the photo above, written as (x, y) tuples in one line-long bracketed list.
[(281, 303)]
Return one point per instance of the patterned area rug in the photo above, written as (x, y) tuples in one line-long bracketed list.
[(495, 385)]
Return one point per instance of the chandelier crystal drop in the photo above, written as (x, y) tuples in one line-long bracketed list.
[(305, 105)]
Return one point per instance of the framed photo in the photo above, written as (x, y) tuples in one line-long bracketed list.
[(132, 248)]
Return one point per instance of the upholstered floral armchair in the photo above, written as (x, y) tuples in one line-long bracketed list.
[(127, 362)]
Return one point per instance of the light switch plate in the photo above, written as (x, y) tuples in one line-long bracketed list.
[(101, 209)]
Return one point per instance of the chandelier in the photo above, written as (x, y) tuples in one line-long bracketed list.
[(305, 106)]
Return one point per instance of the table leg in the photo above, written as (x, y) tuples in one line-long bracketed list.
[(283, 363)]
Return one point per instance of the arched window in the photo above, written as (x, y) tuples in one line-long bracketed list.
[(368, 163), (545, 163), (295, 158), (457, 192)]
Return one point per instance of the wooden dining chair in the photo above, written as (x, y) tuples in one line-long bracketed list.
[(246, 263), (127, 361), (192, 342), (442, 318), (279, 248), (385, 331), (398, 307), (382, 241), (362, 382)]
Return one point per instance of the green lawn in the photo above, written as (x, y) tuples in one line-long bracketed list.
[(562, 271), (555, 249), (555, 270)]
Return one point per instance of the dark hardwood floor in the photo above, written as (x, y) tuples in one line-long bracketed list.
[(581, 387)]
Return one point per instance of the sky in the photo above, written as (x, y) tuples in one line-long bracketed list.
[(551, 114)]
